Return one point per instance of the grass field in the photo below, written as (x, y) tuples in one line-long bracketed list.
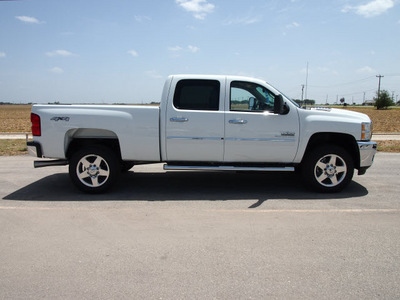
[(16, 118), (385, 120), (13, 147)]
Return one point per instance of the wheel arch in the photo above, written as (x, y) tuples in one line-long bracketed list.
[(76, 139), (346, 141)]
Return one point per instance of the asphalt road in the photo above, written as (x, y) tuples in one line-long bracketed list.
[(198, 235)]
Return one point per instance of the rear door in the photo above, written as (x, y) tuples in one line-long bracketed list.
[(194, 122)]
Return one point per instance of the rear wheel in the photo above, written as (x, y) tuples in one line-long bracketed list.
[(94, 169), (328, 169)]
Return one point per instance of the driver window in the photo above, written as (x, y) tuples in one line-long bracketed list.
[(248, 96)]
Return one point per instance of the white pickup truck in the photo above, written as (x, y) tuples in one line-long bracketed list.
[(224, 123)]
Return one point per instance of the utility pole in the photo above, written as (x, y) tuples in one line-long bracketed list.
[(302, 92), (379, 84), (307, 80)]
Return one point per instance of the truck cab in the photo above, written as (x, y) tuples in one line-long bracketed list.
[(228, 119)]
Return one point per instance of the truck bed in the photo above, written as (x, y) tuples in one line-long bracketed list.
[(135, 127)]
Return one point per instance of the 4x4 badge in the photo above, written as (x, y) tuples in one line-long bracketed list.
[(66, 119)]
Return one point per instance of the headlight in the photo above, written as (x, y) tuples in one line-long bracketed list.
[(366, 131)]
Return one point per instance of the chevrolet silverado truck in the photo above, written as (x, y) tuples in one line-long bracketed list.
[(221, 123)]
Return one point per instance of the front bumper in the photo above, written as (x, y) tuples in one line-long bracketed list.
[(367, 154)]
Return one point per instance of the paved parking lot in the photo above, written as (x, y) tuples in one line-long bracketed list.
[(198, 235)]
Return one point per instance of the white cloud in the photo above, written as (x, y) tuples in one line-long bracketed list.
[(292, 25), (142, 18), (243, 20), (27, 19), (2, 54), (190, 48), (366, 69), (199, 8), (371, 9), (175, 49), (133, 53), (56, 70), (193, 49), (59, 53)]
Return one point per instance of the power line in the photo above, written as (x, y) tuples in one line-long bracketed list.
[(345, 83), (392, 75), (357, 93)]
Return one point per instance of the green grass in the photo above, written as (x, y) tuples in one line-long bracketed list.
[(13, 147)]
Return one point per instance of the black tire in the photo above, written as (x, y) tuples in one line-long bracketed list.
[(94, 169), (328, 169)]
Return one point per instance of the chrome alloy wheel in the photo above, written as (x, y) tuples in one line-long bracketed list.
[(92, 170), (330, 170)]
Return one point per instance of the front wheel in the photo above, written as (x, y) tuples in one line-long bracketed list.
[(94, 169), (328, 169)]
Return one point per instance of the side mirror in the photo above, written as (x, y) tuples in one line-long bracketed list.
[(280, 106), (252, 101)]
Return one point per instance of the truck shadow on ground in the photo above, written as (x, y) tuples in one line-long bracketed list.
[(185, 186)]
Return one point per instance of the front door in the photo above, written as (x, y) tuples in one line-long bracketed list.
[(253, 132)]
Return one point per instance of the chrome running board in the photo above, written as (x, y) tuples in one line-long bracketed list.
[(228, 168)]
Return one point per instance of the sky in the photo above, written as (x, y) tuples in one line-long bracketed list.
[(121, 51)]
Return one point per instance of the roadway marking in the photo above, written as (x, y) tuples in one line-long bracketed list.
[(349, 210)]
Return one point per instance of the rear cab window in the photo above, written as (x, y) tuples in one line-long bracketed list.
[(197, 94)]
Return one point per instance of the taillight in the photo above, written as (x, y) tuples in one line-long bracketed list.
[(35, 119)]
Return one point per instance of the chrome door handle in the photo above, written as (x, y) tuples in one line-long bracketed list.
[(239, 122), (179, 119)]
